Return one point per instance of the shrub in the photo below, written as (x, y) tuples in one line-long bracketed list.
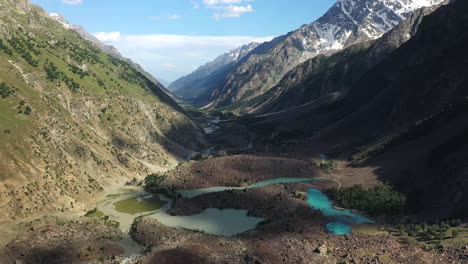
[(380, 199), (6, 90), (153, 181), (5, 48), (27, 110), (328, 166)]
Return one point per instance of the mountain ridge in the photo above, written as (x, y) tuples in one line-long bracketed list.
[(345, 23), (109, 49), (192, 85)]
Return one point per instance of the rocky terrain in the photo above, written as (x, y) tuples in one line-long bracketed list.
[(293, 232), (290, 241), (62, 240)]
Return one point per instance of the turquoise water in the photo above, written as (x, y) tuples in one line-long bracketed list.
[(194, 193), (220, 222), (342, 218), (338, 228), (229, 222)]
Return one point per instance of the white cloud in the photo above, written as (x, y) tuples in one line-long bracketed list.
[(108, 37), (169, 66), (172, 56), (157, 41), (228, 8), (169, 16), (72, 2), (217, 2), (232, 11)]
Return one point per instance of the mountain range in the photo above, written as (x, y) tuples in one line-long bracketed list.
[(375, 102), (99, 163), (204, 79), (347, 22)]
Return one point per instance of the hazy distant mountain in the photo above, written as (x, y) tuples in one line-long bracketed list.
[(164, 82), (201, 80)]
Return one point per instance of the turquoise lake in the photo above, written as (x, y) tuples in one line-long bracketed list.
[(341, 218), (226, 222)]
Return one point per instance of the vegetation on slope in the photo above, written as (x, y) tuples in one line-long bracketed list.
[(74, 119), (380, 199)]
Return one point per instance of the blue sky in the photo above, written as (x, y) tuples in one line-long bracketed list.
[(172, 38)]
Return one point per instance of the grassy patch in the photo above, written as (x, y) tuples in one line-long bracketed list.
[(94, 213), (135, 206)]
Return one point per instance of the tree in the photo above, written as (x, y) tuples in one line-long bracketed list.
[(27, 110), (154, 181)]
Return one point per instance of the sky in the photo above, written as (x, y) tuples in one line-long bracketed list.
[(171, 38)]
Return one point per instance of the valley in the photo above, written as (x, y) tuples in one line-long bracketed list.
[(344, 141)]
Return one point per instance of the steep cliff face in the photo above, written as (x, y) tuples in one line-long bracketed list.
[(345, 23), (74, 120)]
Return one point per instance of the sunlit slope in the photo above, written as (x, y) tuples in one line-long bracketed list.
[(74, 120)]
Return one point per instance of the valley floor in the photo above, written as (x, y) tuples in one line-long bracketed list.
[(293, 232)]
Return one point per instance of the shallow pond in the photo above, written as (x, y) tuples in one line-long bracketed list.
[(221, 222)]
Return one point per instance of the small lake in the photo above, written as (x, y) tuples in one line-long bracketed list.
[(341, 218), (220, 222), (132, 202)]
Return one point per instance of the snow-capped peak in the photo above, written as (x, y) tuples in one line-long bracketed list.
[(59, 18), (357, 20)]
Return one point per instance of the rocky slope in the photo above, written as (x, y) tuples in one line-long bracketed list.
[(111, 50), (322, 75), (201, 81), (345, 23), (414, 101), (74, 120)]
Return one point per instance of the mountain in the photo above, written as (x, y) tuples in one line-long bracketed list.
[(402, 119), (111, 50), (327, 74), (108, 49), (201, 80), (75, 121), (347, 22), (164, 82)]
